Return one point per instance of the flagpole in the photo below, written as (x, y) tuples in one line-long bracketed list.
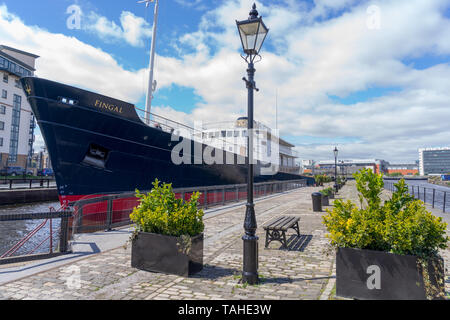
[(151, 83)]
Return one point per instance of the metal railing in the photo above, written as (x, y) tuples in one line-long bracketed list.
[(436, 197), (62, 246), (25, 183), (111, 211)]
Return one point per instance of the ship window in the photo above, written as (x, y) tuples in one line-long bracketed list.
[(236, 133), (216, 134), (211, 135), (223, 133), (229, 133), (244, 133), (67, 100)]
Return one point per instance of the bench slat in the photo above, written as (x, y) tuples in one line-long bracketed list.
[(287, 224), (281, 223), (273, 222)]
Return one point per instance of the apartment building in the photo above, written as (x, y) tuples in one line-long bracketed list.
[(16, 119)]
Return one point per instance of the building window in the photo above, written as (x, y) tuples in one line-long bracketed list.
[(18, 84), (2, 110), (4, 94), (2, 125), (5, 78), (1, 142), (14, 140)]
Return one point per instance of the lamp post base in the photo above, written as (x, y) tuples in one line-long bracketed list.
[(250, 270)]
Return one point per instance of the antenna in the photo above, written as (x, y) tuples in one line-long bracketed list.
[(151, 83), (147, 2)]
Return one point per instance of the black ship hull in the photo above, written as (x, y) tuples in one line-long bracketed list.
[(98, 145)]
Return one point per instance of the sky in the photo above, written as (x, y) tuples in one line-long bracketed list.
[(370, 77)]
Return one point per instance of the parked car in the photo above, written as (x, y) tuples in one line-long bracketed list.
[(12, 171), (46, 172)]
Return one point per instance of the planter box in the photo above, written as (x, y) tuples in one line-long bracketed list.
[(325, 201), (368, 274), (167, 254)]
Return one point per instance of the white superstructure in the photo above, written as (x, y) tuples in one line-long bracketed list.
[(231, 136)]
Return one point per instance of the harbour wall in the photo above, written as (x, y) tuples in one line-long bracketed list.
[(28, 196)]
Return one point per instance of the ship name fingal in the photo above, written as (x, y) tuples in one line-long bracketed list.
[(107, 106)]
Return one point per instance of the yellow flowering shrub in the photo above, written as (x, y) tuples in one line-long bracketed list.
[(400, 225), (160, 212)]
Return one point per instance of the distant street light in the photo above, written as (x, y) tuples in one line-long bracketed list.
[(252, 32), (335, 151)]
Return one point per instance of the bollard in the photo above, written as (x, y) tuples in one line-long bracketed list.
[(316, 201)]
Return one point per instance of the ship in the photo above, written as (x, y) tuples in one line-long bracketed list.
[(99, 145)]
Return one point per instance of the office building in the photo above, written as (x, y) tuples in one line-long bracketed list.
[(434, 161)]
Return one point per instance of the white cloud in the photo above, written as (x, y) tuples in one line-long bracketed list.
[(337, 56), (66, 59), (133, 30), (305, 59)]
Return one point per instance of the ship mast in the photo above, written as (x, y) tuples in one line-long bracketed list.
[(151, 83)]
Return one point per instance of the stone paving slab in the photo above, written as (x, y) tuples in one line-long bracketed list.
[(300, 273), (305, 271)]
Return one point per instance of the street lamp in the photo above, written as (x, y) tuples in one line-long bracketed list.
[(335, 151), (252, 32)]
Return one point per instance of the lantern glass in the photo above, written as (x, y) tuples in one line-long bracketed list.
[(253, 33), (335, 152)]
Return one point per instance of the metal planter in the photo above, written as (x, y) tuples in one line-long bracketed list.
[(378, 275), (167, 254), (325, 201)]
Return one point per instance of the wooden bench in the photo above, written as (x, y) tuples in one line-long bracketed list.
[(277, 227)]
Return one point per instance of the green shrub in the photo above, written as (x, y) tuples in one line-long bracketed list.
[(160, 212), (395, 174), (400, 225), (321, 179), (327, 191)]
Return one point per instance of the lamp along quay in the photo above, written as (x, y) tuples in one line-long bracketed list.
[(335, 151), (252, 32)]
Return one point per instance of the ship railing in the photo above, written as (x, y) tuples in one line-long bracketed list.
[(47, 239), (105, 212), (171, 126)]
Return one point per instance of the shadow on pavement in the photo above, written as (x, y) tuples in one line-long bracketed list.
[(215, 272)]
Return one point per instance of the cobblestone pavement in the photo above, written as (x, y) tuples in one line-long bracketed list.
[(305, 271)]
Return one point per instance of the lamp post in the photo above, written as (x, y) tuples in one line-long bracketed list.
[(335, 151), (252, 32)]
